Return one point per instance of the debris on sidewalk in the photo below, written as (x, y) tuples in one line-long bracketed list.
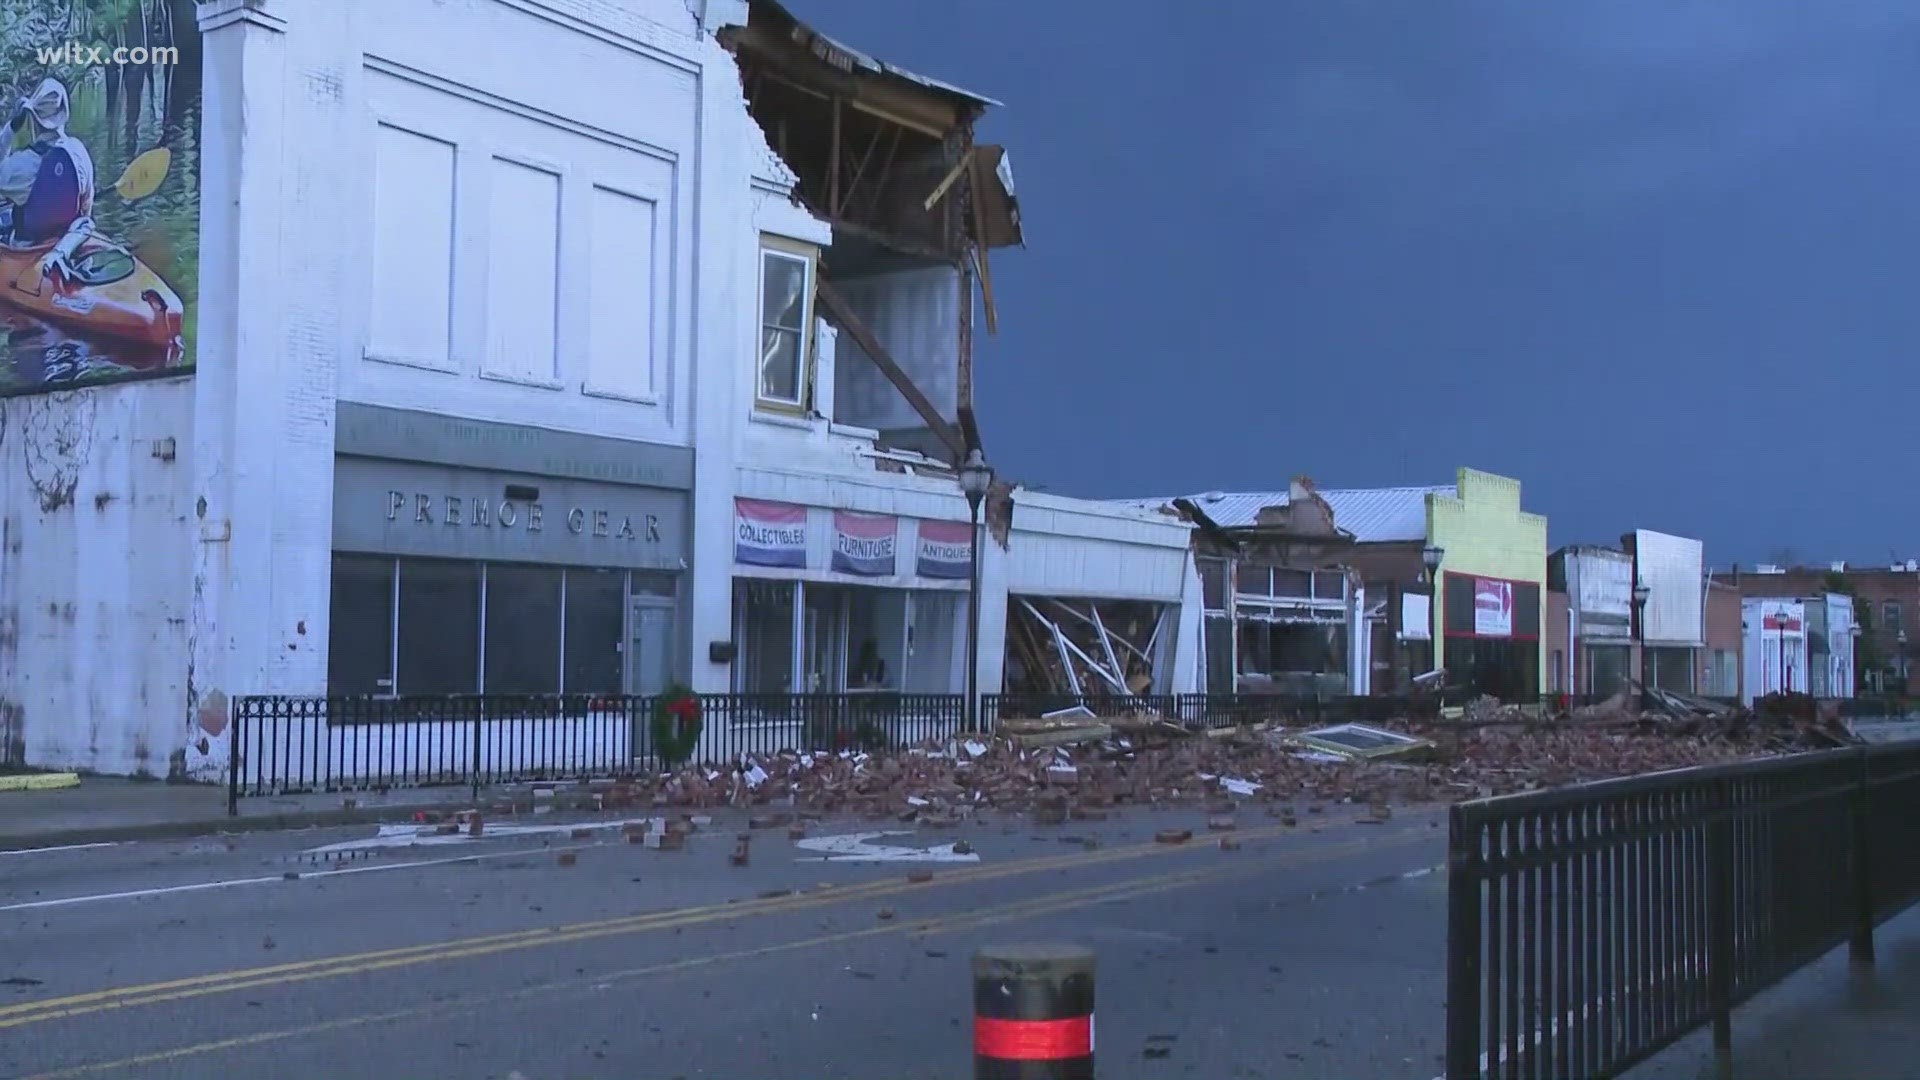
[(1075, 765)]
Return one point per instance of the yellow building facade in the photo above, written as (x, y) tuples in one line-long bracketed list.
[(1493, 573)]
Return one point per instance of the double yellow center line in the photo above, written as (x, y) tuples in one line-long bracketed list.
[(48, 1009)]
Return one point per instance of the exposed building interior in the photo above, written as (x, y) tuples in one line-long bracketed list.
[(888, 159), (1086, 646)]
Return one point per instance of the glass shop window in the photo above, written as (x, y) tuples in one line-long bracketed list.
[(595, 603), (360, 626), (523, 629), (439, 627)]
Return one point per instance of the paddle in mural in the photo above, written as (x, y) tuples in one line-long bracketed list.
[(99, 190)]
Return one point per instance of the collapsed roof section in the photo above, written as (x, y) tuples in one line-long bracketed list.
[(887, 159)]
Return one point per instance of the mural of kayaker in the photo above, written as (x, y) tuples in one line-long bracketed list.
[(99, 191)]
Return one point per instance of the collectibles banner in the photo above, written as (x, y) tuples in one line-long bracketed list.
[(769, 534)]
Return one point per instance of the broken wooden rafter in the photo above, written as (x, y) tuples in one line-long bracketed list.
[(977, 205), (860, 170), (841, 313), (886, 239), (946, 182)]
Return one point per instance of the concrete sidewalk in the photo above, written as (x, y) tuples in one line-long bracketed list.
[(111, 809), (1824, 1022)]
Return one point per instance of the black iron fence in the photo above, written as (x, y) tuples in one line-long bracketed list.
[(287, 745), (1590, 927)]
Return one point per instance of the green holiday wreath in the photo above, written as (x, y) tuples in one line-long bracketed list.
[(676, 725)]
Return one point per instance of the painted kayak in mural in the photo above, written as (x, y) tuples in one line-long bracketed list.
[(103, 291)]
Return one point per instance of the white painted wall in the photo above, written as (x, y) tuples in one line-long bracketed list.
[(429, 204), (94, 572), (1672, 567)]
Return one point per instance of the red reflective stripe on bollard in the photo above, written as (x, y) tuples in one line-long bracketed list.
[(1033, 1040)]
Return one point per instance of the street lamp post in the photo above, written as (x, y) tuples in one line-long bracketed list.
[(1640, 595), (1786, 681), (976, 476), (1430, 557), (1900, 653)]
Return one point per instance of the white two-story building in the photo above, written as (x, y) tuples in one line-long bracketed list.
[(554, 346)]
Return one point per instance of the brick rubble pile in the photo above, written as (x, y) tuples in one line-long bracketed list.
[(942, 784)]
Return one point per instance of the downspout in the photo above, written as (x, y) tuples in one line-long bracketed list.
[(1705, 667), (1573, 650)]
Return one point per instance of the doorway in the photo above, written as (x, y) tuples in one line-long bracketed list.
[(650, 641)]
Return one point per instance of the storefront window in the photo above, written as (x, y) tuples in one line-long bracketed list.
[(763, 614), (594, 602), (936, 643), (523, 629), (360, 626), (546, 629), (1219, 646), (439, 626), (876, 638)]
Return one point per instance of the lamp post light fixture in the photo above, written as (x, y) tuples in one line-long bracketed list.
[(1640, 595), (1430, 557), (976, 476)]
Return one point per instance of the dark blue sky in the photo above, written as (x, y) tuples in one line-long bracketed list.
[(1660, 259)]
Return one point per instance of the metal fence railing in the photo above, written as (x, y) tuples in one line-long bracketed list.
[(293, 744), (1591, 926), (286, 745)]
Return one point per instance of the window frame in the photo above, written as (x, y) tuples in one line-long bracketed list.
[(631, 585), (808, 256)]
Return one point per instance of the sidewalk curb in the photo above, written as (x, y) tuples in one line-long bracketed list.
[(250, 823)]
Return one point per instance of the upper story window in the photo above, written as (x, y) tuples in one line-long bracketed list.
[(784, 366), (1890, 615)]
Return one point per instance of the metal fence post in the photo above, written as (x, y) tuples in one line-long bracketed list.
[(479, 712), (1860, 948), (1720, 885), (1463, 947), (237, 717)]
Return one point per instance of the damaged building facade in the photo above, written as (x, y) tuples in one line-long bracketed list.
[(520, 385), (1635, 612), (1489, 555), (1347, 581), (877, 214), (1283, 613)]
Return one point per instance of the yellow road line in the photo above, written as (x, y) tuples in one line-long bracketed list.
[(1049, 904), (47, 1009), (642, 921)]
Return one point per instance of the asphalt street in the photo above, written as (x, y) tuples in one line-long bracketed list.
[(1307, 951)]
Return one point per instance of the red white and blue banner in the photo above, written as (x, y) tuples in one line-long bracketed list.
[(770, 534), (945, 549), (864, 543)]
